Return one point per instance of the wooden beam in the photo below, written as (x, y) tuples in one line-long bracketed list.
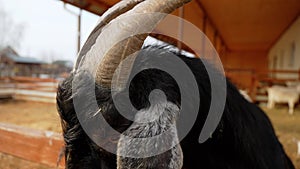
[(210, 20), (74, 4), (86, 7), (33, 145), (31, 79), (279, 71), (216, 34), (99, 4)]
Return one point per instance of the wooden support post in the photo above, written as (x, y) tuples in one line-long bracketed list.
[(204, 24), (180, 28), (254, 86)]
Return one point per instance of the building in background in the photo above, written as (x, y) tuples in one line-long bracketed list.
[(285, 53), (12, 64), (57, 69)]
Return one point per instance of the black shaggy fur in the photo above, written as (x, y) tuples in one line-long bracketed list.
[(244, 139)]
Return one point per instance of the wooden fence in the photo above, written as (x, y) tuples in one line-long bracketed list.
[(256, 82), (28, 88), (37, 146), (43, 147)]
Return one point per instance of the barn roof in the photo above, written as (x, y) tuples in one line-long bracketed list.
[(14, 56), (249, 25), (20, 59)]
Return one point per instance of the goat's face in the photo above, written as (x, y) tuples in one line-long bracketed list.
[(82, 152)]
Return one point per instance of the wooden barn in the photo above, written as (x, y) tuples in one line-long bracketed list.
[(12, 64), (258, 41)]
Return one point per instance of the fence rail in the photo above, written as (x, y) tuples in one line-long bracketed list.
[(28, 88), (37, 146), (255, 82)]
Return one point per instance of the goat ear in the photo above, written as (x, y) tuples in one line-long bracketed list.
[(141, 145)]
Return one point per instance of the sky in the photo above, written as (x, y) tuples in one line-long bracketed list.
[(50, 31)]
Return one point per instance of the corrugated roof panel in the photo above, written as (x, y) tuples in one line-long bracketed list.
[(28, 60)]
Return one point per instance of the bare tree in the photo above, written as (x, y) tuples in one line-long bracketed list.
[(10, 32)]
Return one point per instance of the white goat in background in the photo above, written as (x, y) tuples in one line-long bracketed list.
[(282, 94)]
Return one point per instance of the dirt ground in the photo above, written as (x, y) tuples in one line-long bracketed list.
[(287, 129), (44, 116), (11, 162)]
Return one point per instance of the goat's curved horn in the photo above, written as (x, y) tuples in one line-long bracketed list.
[(110, 14), (115, 54)]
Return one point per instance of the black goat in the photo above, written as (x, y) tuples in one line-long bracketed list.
[(244, 137)]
